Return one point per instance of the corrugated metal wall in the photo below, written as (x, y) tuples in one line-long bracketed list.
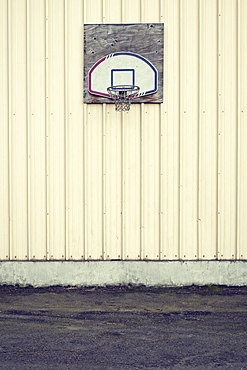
[(163, 181)]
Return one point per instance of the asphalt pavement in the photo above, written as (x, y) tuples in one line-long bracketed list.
[(124, 327)]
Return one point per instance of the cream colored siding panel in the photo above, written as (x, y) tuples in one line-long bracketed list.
[(150, 11), (227, 128), (242, 130), (160, 182), (169, 150), (74, 132), (93, 182), (150, 178), (208, 135), (56, 130), (93, 11), (113, 183), (131, 183), (4, 139), (112, 11), (19, 172), (131, 11), (37, 129), (189, 128)]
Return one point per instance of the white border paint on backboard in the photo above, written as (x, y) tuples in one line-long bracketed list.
[(100, 76)]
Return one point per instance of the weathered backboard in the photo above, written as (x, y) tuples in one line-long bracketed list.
[(125, 54)]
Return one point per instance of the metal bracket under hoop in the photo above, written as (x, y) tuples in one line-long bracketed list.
[(123, 94)]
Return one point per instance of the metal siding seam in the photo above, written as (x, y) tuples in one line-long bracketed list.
[(66, 140), (103, 256), (238, 166), (235, 257), (235, 249), (218, 129), (161, 12), (122, 190), (4, 252), (84, 179), (10, 134), (142, 106), (123, 13), (199, 163), (47, 131), (160, 153), (242, 130), (103, 11), (83, 141), (160, 182), (243, 87), (84, 162), (84, 11), (29, 256), (177, 250), (141, 11), (180, 132)]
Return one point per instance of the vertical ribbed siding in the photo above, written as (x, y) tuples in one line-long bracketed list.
[(207, 131), (162, 181), (170, 131), (227, 128), (36, 67), (242, 131), (4, 132), (56, 129), (19, 129), (189, 102), (75, 145)]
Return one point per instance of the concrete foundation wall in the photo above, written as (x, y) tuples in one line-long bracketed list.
[(101, 273)]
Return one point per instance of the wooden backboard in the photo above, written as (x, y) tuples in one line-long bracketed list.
[(124, 53)]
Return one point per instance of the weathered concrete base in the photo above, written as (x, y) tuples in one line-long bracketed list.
[(101, 273)]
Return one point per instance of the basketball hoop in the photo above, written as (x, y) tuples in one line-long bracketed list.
[(123, 94)]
